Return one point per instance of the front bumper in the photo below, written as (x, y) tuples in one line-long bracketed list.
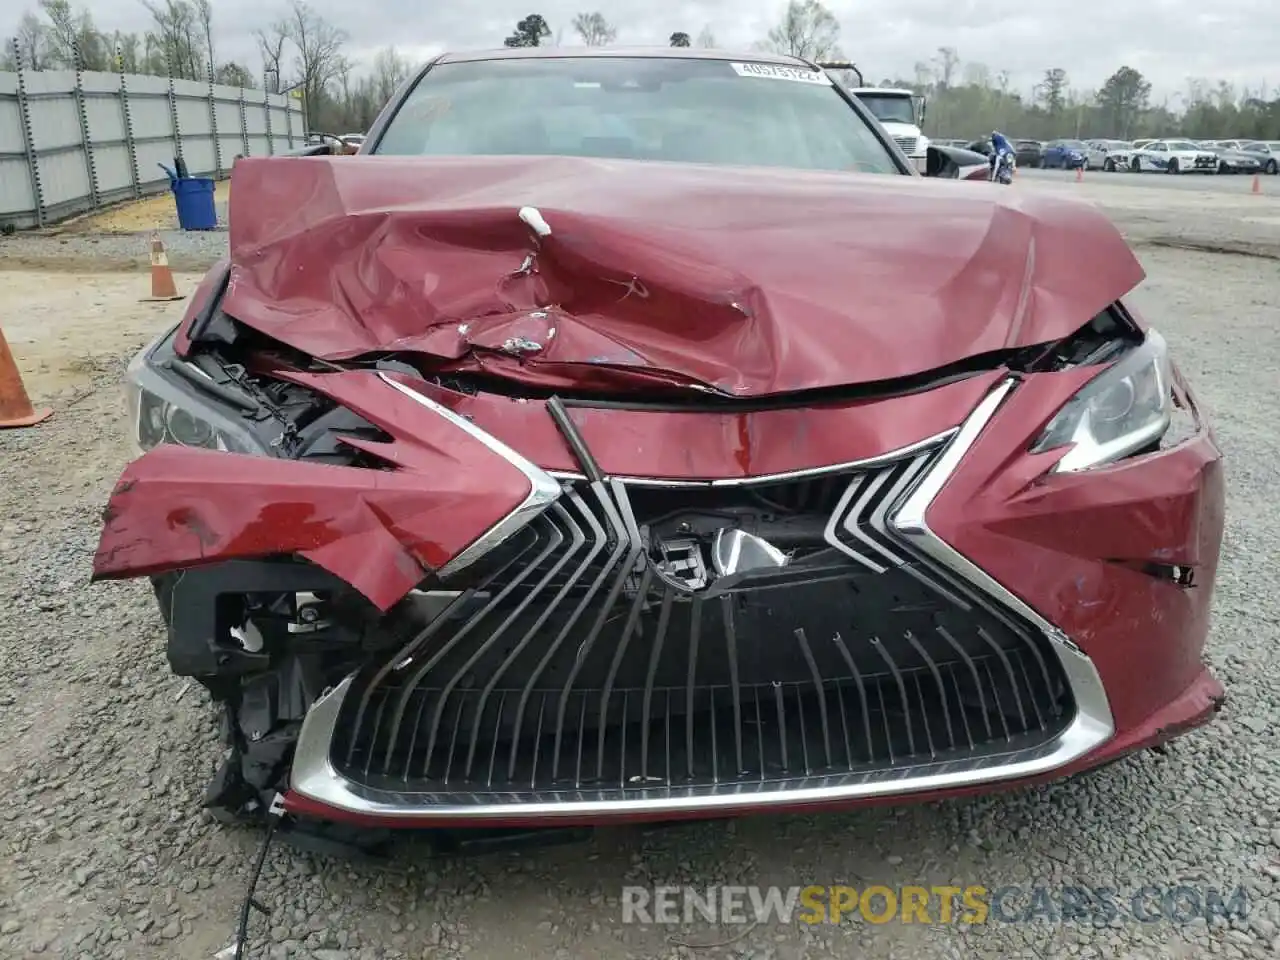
[(1079, 560), (1202, 164)]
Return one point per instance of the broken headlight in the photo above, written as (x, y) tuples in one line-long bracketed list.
[(1123, 409), (164, 409)]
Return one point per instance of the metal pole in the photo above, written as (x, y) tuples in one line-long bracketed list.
[(288, 118), (173, 114), (128, 124), (86, 141), (213, 127), (244, 125), (28, 138), (266, 108)]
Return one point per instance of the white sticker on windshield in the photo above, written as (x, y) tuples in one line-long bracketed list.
[(777, 71)]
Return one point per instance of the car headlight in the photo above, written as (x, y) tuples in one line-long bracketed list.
[(1123, 409), (164, 409)]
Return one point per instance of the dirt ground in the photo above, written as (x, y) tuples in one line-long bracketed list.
[(152, 213), (66, 328), (105, 851)]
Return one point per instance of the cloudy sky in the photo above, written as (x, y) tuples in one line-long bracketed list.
[(1168, 40)]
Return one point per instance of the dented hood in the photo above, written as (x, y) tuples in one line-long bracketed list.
[(623, 274)]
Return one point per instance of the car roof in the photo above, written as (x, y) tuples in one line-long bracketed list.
[(651, 53)]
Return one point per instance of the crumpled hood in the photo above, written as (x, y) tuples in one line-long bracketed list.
[(623, 274)]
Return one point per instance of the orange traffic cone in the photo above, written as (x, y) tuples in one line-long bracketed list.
[(1257, 185), (15, 405), (1079, 174), (162, 285)]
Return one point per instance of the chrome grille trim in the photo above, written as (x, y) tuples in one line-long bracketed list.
[(315, 777), (543, 489)]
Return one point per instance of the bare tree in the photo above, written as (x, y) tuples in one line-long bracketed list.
[(706, 39), (128, 46), (318, 50), (342, 73), (594, 29), (390, 70), (177, 36), (204, 13), (30, 37), (947, 60), (61, 33), (271, 44), (808, 30)]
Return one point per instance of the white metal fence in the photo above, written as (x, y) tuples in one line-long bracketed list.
[(72, 140)]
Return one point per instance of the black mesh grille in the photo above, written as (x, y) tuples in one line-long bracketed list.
[(579, 664)]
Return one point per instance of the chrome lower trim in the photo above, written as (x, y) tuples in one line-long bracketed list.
[(543, 488), (313, 775)]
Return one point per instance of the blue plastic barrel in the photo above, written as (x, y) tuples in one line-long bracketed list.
[(194, 197)]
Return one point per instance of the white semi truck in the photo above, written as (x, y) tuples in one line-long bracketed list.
[(900, 111)]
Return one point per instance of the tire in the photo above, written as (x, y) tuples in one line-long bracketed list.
[(1173, 167), (1135, 166), (1222, 167), (1271, 167)]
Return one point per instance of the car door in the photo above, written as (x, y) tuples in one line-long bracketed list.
[(1155, 156), (1095, 154)]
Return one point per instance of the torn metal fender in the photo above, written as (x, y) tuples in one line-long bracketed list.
[(450, 494)]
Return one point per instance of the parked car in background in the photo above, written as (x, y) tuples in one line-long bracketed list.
[(1234, 160), (1140, 143), (1029, 153), (1065, 154), (1267, 153), (1108, 155), (1173, 156)]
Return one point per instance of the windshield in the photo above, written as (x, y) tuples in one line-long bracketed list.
[(639, 108), (889, 108), (1182, 145), (1071, 144)]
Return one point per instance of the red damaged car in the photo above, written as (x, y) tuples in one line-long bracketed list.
[(637, 435)]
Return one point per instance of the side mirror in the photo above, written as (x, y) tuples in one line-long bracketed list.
[(954, 163), (919, 102)]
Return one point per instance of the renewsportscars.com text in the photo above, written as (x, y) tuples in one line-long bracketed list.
[(973, 904)]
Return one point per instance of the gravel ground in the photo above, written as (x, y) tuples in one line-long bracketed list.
[(105, 852)]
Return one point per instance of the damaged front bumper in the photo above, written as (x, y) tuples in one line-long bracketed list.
[(581, 667)]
